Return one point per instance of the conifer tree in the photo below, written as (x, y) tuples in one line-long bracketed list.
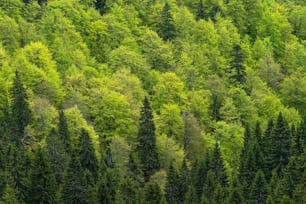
[(147, 149), (219, 195), (128, 191), (21, 113), (167, 29), (191, 196), (172, 192), (57, 155), (217, 166), (42, 2), (259, 189), (9, 196), (209, 186), (74, 187), (237, 72), (199, 175), (280, 145), (184, 180), (107, 186), (152, 193), (267, 142), (63, 130), (235, 192), (87, 155), (101, 6), (42, 180)]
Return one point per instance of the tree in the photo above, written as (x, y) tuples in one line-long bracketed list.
[(172, 191), (201, 12), (219, 195), (63, 130), (101, 6), (152, 193), (217, 166), (167, 29), (235, 192), (21, 113), (42, 180), (280, 145), (87, 155), (74, 188), (191, 196), (147, 150), (237, 72), (259, 189)]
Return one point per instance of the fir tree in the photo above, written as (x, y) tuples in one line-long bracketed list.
[(235, 192), (237, 72), (280, 147), (152, 193), (63, 130), (74, 187), (128, 191), (184, 180), (87, 155), (267, 142), (217, 166), (107, 186), (167, 29), (209, 186), (9, 196), (200, 11), (219, 195), (191, 196), (147, 149), (172, 189), (259, 189), (42, 180), (21, 113)]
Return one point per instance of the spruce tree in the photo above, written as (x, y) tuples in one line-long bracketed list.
[(21, 113), (152, 193), (280, 145), (166, 28), (267, 142), (209, 186), (237, 71), (259, 189), (42, 180), (74, 188), (147, 149), (87, 155), (107, 187), (235, 192), (217, 166), (219, 195), (63, 130), (184, 181), (101, 6), (191, 196), (200, 11), (172, 193)]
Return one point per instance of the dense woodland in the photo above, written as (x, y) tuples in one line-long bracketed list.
[(152, 101)]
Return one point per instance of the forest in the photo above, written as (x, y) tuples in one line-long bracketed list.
[(152, 101)]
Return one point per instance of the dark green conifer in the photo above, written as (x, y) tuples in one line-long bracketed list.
[(101, 6), (147, 149), (152, 193), (167, 29), (235, 192), (219, 195), (74, 188), (87, 155), (107, 187), (209, 186), (237, 71), (63, 130), (217, 166), (259, 189), (21, 113), (200, 11), (191, 196), (172, 191), (42, 180)]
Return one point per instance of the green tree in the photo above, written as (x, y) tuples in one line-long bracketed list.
[(172, 188), (63, 130), (101, 6), (87, 155), (219, 195), (237, 72), (166, 28), (259, 189), (191, 196), (74, 187), (217, 166), (235, 192), (21, 113), (42, 180), (152, 193), (147, 150)]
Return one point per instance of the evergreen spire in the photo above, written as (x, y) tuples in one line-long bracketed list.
[(167, 29)]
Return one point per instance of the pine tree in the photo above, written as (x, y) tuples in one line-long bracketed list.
[(217, 166), (280, 147), (184, 181), (147, 149), (235, 193), (107, 186), (87, 155), (209, 186), (21, 113), (152, 193), (63, 130), (128, 191), (267, 142), (42, 180), (199, 174), (166, 28), (9, 196), (237, 72), (57, 155), (172, 187), (191, 196), (219, 195), (259, 189), (74, 187)]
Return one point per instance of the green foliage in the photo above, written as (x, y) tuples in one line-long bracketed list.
[(166, 28)]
